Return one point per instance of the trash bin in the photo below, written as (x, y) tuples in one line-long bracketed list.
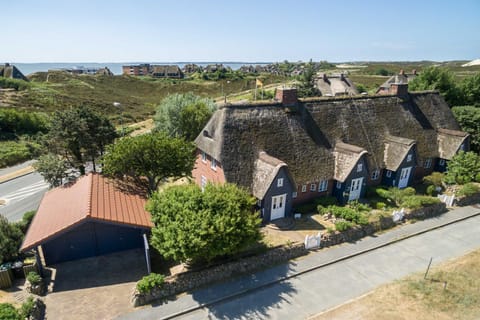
[(6, 276), (17, 268)]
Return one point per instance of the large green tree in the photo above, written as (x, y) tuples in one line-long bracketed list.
[(463, 168), (470, 88), (197, 226), (306, 87), (79, 135), (149, 159), (468, 118), (10, 239), (436, 78), (183, 115), (52, 168)]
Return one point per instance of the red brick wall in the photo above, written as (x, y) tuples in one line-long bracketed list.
[(202, 168), (303, 197), (287, 96)]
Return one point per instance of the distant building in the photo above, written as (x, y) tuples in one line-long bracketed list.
[(87, 70), (335, 85), (156, 71), (10, 71), (166, 71), (104, 72), (192, 68), (400, 79)]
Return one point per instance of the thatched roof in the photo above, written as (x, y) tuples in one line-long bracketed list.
[(304, 136), (449, 141), (346, 157), (10, 71), (402, 78), (265, 170), (335, 85), (396, 149)]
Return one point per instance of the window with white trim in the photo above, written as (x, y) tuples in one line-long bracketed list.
[(441, 162), (339, 185), (375, 174), (428, 163), (280, 182), (409, 157), (304, 188), (360, 167), (213, 164), (203, 182), (313, 187), (204, 157), (323, 186), (389, 174), (294, 194)]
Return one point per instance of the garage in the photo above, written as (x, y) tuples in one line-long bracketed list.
[(94, 216)]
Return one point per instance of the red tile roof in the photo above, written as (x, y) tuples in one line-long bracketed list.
[(92, 197)]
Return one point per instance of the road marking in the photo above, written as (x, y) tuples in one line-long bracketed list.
[(25, 192)]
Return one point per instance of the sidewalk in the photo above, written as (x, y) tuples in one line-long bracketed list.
[(314, 260), (16, 171)]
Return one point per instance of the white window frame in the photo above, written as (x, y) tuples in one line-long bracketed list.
[(388, 174), (304, 188), (280, 182), (441, 162), (360, 167), (323, 186), (213, 164), (294, 194), (313, 187), (204, 157), (339, 185), (428, 163), (375, 174), (203, 182), (409, 157)]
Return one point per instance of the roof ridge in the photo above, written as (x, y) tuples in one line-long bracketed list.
[(89, 196)]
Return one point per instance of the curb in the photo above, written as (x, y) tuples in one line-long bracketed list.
[(15, 177), (283, 278)]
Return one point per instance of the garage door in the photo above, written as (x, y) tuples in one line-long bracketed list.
[(91, 239)]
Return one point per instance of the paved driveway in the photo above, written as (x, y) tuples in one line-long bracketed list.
[(94, 288)]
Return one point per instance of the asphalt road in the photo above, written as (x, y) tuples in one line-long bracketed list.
[(321, 289), (21, 195)]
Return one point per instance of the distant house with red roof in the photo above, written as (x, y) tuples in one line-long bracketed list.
[(91, 217)]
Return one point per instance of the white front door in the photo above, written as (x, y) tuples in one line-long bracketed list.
[(404, 176), (278, 207), (355, 189)]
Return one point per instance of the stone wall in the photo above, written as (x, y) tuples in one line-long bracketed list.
[(191, 280), (467, 201)]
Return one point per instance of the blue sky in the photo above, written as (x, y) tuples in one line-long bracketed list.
[(241, 30)]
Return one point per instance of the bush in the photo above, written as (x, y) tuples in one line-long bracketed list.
[(27, 307), (26, 221), (343, 225), (8, 312), (431, 190), (435, 179), (468, 189), (415, 202), (463, 168), (34, 278), (147, 283), (10, 240), (477, 177), (346, 213), (380, 205)]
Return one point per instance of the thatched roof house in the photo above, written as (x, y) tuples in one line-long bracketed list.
[(401, 78), (10, 71), (335, 85), (332, 141)]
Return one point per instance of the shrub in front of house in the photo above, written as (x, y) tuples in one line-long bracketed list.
[(8, 312), (326, 201), (435, 179), (468, 189), (431, 190), (415, 202), (346, 213), (380, 205), (147, 283), (343, 225), (34, 278)]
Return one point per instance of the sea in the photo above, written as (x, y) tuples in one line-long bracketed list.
[(116, 68)]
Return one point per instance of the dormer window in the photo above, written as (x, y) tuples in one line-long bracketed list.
[(280, 182), (360, 167), (204, 157), (409, 157)]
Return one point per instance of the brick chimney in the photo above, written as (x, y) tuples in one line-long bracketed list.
[(402, 72), (399, 89), (414, 72), (287, 96)]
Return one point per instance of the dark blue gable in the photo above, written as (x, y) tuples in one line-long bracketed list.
[(286, 188), (394, 178), (359, 174)]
